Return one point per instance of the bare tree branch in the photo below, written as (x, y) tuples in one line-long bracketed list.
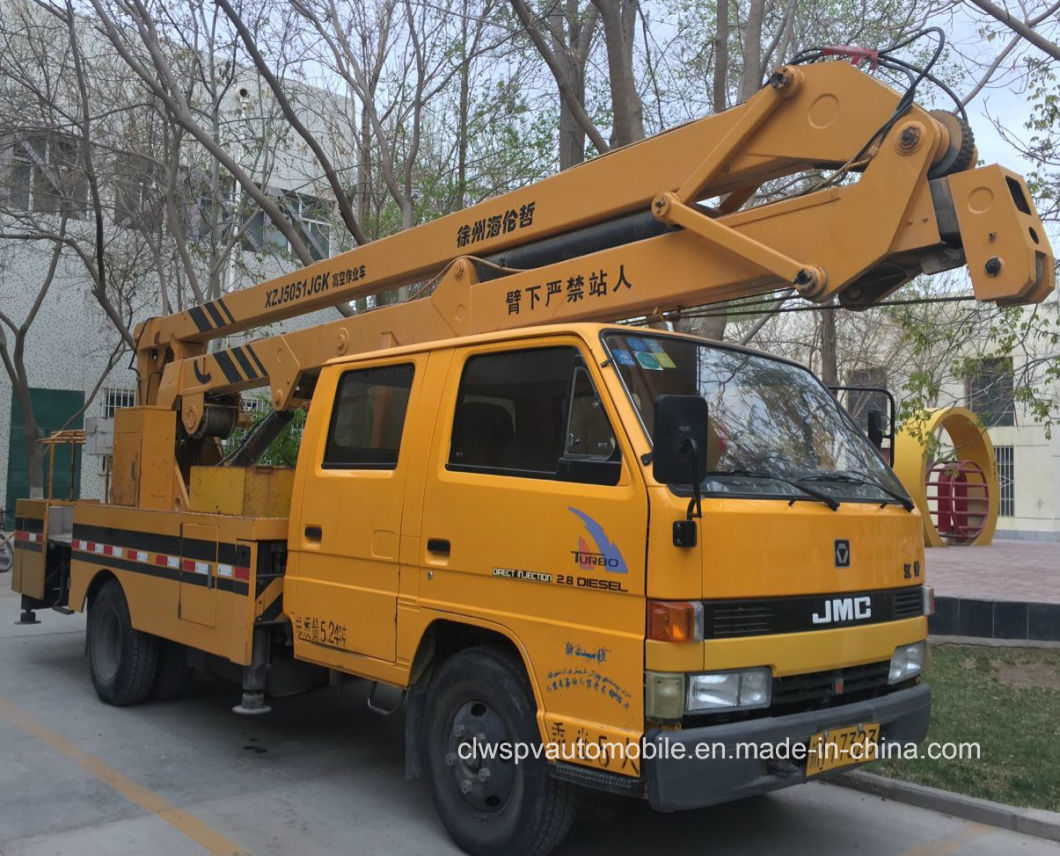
[(1019, 26), (562, 79), (341, 198)]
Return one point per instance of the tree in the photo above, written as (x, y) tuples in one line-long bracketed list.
[(49, 197), (152, 38), (563, 36)]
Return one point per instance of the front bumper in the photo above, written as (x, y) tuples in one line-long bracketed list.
[(677, 779)]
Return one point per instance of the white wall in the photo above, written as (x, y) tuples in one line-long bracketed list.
[(71, 342)]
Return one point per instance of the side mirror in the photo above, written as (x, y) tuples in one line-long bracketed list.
[(679, 454)]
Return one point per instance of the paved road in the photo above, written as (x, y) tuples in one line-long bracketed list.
[(322, 775)]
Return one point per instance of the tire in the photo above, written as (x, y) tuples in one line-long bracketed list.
[(122, 661), (515, 809), (173, 674)]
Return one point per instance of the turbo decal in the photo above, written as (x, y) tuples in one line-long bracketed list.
[(606, 555)]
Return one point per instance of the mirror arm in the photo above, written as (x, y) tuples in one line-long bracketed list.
[(694, 508), (697, 494)]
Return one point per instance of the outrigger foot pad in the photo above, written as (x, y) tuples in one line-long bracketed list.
[(28, 616), (253, 704)]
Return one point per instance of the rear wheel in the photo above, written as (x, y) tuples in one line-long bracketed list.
[(173, 674), (489, 805), (122, 660)]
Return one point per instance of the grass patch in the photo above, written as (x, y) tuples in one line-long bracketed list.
[(1008, 701)]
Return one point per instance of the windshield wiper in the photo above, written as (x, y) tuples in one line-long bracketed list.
[(827, 499), (853, 477)]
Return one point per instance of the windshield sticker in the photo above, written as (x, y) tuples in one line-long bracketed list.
[(654, 345), (665, 361), (623, 358), (606, 556), (636, 344), (648, 361)]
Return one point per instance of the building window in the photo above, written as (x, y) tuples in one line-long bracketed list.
[(1006, 476), (368, 418), (308, 215), (115, 399), (137, 198), (255, 404), (47, 176), (210, 212), (860, 403), (988, 390)]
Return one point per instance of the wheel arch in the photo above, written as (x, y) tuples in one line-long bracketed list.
[(99, 579), (441, 639)]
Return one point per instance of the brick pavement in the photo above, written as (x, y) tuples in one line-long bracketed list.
[(1006, 570)]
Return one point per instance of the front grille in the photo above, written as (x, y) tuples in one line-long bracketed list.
[(726, 619), (908, 603), (823, 689), (741, 620)]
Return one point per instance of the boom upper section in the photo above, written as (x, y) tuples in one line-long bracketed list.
[(630, 233)]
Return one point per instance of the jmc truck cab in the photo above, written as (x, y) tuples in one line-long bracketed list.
[(495, 496), (582, 554)]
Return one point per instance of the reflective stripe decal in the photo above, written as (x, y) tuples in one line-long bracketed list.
[(124, 549)]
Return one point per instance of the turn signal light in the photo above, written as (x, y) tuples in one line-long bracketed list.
[(675, 621)]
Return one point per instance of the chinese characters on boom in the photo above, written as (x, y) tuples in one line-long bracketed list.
[(598, 283), (497, 224)]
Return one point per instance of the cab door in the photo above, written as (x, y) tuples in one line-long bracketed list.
[(535, 520), (342, 582)]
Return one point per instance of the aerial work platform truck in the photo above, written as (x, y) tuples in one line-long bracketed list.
[(529, 515)]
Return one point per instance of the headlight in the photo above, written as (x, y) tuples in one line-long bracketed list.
[(729, 690), (907, 662)]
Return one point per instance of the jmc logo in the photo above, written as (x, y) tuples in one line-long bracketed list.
[(844, 609)]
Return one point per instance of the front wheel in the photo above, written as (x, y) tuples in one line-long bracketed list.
[(122, 660), (481, 699)]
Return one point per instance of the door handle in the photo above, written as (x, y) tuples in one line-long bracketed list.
[(438, 545), (314, 533)]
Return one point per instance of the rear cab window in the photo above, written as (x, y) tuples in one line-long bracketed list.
[(368, 418)]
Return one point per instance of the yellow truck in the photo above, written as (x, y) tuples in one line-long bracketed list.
[(578, 551)]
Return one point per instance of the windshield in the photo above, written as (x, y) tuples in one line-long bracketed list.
[(770, 423)]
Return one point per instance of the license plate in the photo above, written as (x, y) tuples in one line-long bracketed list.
[(842, 747)]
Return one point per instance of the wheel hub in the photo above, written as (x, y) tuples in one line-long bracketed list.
[(484, 780), (106, 645)]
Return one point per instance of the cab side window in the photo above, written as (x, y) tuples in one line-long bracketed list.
[(589, 435), (367, 418), (533, 413)]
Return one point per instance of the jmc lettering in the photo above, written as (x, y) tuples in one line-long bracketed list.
[(844, 609)]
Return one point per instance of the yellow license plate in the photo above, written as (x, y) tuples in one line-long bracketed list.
[(841, 747)]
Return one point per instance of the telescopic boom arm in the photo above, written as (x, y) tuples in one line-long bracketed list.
[(631, 234)]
